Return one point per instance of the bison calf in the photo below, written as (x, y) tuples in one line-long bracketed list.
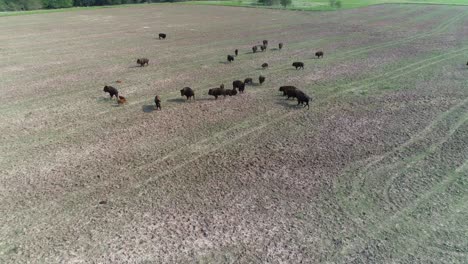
[(162, 36), (112, 91), (230, 58), (298, 65), (261, 79), (319, 54), (187, 92), (143, 61), (248, 81), (157, 101), (121, 100)]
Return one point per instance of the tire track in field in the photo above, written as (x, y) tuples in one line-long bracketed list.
[(420, 156)]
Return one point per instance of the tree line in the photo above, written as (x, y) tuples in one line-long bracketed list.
[(18, 5)]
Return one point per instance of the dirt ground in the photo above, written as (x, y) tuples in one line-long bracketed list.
[(375, 172)]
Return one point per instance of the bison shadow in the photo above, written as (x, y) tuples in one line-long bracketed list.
[(274, 49), (135, 66), (147, 108), (288, 103), (178, 100), (224, 62)]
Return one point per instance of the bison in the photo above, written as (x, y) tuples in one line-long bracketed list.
[(236, 52), (254, 49), (142, 61), (280, 46), (230, 92), (217, 92), (265, 42), (248, 81), (121, 100), (157, 101), (292, 93), (263, 47), (284, 89), (230, 58), (239, 85), (298, 65), (261, 79), (162, 36), (302, 98), (319, 54), (265, 65), (187, 92), (112, 91)]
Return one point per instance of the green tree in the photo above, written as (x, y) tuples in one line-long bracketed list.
[(285, 3)]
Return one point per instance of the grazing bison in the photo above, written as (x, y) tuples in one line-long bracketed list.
[(265, 65), (162, 36), (261, 79), (263, 47), (157, 101), (280, 46), (302, 98), (230, 58), (121, 100), (284, 89), (265, 42), (143, 61), (319, 54), (187, 92), (236, 52), (112, 91), (254, 49), (248, 81), (298, 65)]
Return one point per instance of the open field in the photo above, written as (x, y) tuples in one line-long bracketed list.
[(324, 5), (375, 172)]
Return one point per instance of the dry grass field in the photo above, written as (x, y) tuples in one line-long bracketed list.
[(375, 172)]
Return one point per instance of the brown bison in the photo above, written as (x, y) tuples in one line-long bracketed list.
[(291, 93), (254, 49), (319, 54), (230, 92), (162, 36), (265, 65), (217, 92), (280, 46), (284, 89), (263, 47), (112, 91), (230, 58), (261, 79), (236, 52), (298, 65), (239, 85), (143, 61), (187, 92), (265, 42), (157, 101)]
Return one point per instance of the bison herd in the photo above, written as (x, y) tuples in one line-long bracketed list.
[(238, 86)]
